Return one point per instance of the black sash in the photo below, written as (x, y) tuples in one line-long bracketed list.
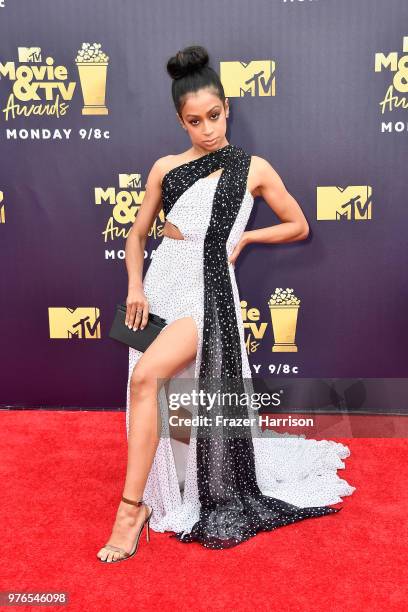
[(233, 508)]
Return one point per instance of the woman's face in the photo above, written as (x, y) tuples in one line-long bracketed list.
[(205, 119)]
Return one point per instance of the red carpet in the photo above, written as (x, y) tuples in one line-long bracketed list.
[(61, 483)]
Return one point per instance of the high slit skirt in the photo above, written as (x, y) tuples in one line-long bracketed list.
[(288, 467)]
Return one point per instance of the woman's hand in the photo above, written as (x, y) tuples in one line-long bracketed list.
[(242, 242), (137, 309)]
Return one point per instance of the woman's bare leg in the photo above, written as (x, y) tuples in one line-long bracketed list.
[(171, 351)]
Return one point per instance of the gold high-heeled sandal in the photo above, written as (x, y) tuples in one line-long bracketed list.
[(125, 554)]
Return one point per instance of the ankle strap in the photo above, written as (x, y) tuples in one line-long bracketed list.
[(134, 503)]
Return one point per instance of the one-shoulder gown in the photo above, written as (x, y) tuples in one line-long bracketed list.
[(291, 468)]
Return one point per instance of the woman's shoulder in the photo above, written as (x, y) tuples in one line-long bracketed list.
[(261, 171), (257, 169), (259, 164), (168, 162)]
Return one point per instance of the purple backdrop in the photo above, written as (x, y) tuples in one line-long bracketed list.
[(67, 199)]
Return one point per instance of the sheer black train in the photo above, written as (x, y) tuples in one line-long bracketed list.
[(233, 508)]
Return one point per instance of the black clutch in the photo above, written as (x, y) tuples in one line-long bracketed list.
[(140, 338)]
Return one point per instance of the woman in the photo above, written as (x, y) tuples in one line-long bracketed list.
[(235, 484)]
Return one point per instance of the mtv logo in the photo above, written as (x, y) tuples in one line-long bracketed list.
[(74, 322), (255, 78), (352, 203), (29, 54), (130, 181)]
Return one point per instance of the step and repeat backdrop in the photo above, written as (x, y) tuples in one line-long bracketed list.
[(319, 88)]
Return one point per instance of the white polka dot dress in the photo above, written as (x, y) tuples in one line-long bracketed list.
[(236, 484)]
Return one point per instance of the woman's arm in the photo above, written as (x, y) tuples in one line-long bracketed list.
[(270, 187), (134, 248)]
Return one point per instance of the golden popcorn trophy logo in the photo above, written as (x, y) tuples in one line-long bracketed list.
[(74, 322), (255, 78), (352, 203), (41, 87), (2, 208), (284, 307), (92, 67)]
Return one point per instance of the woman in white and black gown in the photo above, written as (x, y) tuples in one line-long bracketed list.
[(232, 485)]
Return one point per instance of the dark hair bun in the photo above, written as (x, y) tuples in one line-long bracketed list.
[(188, 60)]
